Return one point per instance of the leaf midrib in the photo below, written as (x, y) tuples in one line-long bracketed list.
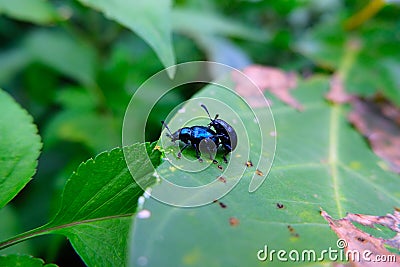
[(332, 158)]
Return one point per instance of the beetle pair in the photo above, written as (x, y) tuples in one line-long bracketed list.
[(197, 136)]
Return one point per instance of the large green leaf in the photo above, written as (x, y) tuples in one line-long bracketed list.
[(150, 19), (19, 148), (97, 205), (23, 260), (36, 11), (321, 161)]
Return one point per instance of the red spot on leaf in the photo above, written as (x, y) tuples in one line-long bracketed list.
[(233, 221), (222, 179)]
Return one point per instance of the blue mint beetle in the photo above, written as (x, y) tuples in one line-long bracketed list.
[(227, 135), (194, 136)]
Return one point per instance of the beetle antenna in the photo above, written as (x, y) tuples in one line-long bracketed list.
[(166, 126), (216, 116), (204, 107)]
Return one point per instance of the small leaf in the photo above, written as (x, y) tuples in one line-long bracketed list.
[(35, 11), (19, 148), (150, 19), (23, 260)]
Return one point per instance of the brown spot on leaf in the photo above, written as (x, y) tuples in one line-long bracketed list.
[(259, 173), (379, 121), (222, 179), (220, 167), (292, 231), (249, 163), (357, 240), (233, 221), (274, 80), (337, 93), (221, 204), (361, 239)]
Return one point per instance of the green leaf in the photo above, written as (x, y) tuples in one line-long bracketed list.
[(197, 23), (101, 243), (66, 54), (23, 260), (98, 203), (150, 19), (35, 11), (321, 161), (19, 148), (367, 60)]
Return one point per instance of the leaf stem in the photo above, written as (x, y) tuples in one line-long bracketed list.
[(49, 228), (24, 236)]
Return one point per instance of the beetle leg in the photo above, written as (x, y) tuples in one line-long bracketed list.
[(228, 149), (183, 148), (196, 148)]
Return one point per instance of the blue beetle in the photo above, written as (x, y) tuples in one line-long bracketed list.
[(194, 136)]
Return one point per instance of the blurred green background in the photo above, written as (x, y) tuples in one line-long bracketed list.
[(74, 69)]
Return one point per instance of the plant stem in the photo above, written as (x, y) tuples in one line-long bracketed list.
[(364, 14)]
